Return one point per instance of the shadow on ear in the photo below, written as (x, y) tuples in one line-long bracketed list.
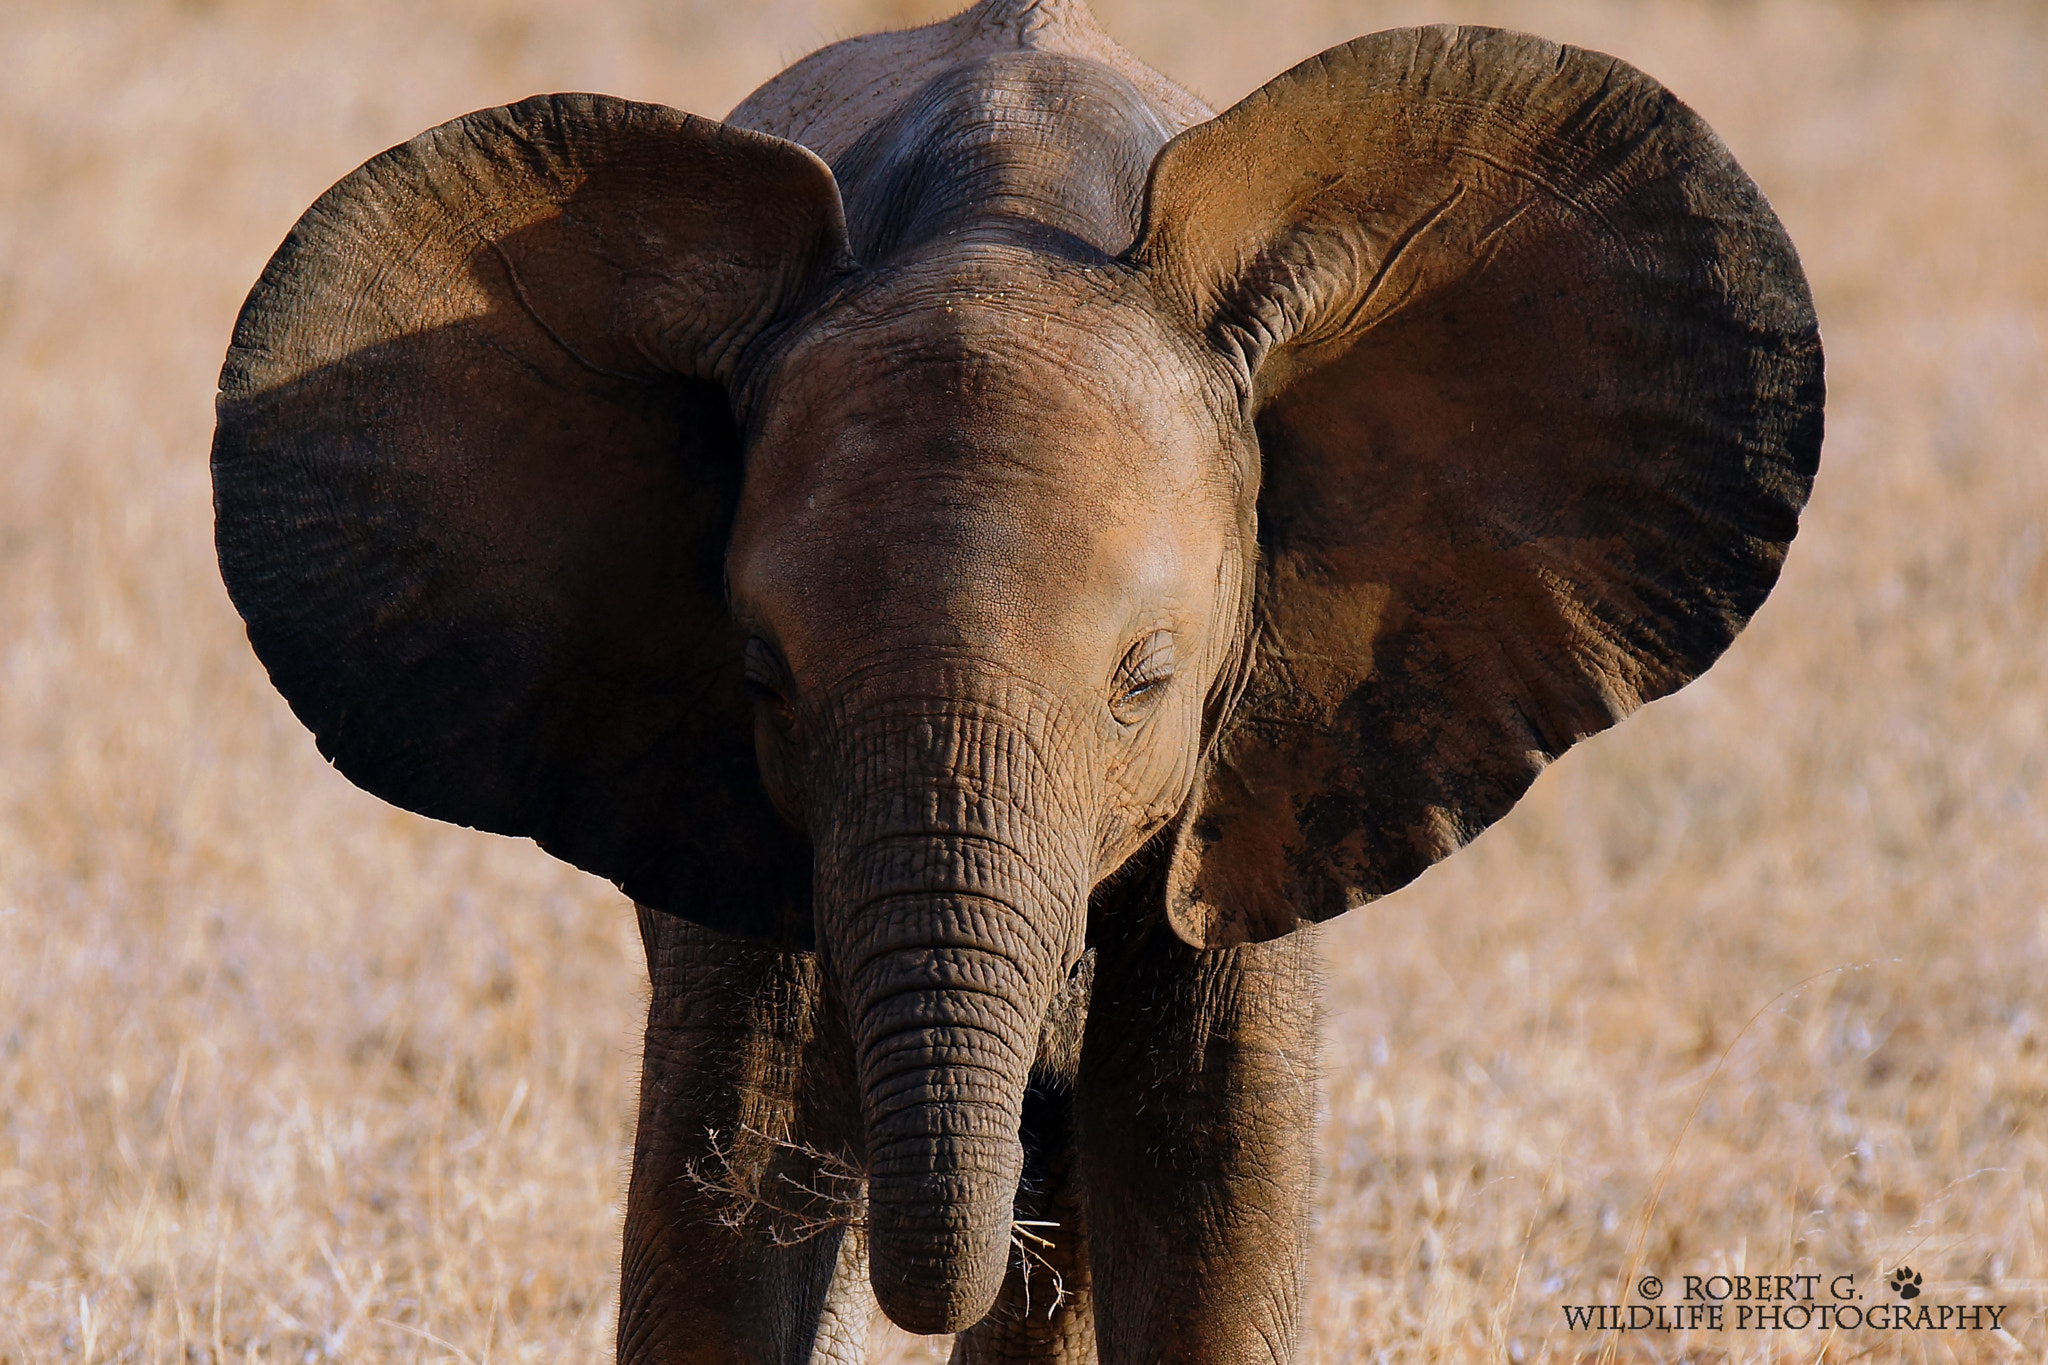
[(475, 469), (1537, 388)]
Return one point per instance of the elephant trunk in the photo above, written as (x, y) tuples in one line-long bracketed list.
[(945, 1031), (948, 926)]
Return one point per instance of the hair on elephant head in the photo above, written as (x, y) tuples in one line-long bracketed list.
[(875, 557)]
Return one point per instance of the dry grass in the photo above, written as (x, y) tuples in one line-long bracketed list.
[(287, 1075)]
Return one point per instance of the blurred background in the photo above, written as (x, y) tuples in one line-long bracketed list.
[(1757, 983)]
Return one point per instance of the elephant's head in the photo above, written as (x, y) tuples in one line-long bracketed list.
[(1455, 395)]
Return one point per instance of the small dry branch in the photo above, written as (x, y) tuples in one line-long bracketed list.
[(746, 1175), (795, 1206), (1031, 1248)]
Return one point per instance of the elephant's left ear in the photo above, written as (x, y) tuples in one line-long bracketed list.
[(1537, 389), (475, 469)]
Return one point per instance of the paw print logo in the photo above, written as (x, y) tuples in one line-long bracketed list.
[(1905, 1282)]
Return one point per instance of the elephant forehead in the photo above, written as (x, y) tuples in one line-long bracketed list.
[(987, 463), (1042, 350)]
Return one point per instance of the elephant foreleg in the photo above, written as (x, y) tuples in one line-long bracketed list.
[(1197, 1099), (741, 1239)]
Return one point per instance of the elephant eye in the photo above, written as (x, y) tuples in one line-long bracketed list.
[(1142, 677), (767, 676)]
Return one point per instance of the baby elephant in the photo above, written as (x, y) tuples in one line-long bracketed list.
[(985, 552)]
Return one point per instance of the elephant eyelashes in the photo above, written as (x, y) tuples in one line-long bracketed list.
[(768, 678), (1142, 677)]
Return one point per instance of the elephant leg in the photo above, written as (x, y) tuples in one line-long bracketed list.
[(740, 1239), (1197, 1104), (842, 1337)]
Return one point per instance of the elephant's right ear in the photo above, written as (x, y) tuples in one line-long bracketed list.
[(1537, 389), (475, 469)]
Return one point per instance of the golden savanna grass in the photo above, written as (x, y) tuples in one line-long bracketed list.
[(1757, 983)]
